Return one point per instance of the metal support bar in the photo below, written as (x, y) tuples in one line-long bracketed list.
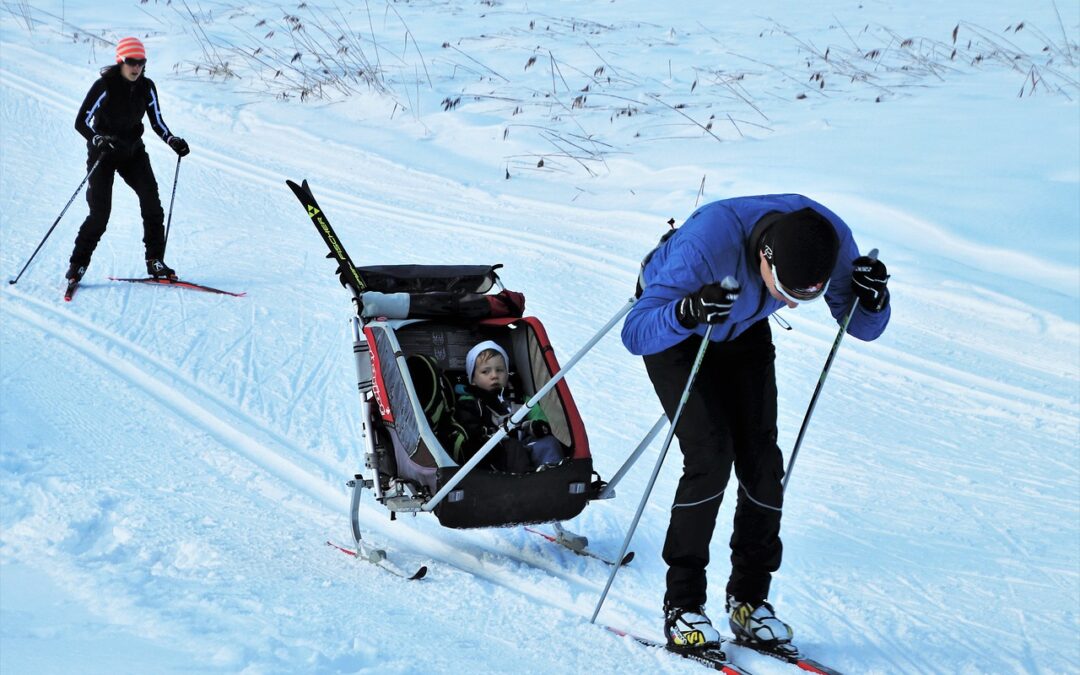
[(609, 490), (357, 484), (362, 358)]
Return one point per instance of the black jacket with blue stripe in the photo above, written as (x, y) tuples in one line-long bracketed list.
[(115, 106)]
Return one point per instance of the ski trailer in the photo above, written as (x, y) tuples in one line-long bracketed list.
[(413, 466), (412, 326)]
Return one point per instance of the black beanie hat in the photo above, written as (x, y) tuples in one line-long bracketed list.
[(802, 247)]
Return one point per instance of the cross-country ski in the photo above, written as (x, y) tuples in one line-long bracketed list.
[(179, 283)]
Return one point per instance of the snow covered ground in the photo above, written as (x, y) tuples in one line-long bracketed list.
[(172, 463)]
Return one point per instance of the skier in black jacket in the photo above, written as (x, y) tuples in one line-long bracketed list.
[(111, 121)]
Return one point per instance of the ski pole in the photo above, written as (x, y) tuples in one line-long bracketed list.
[(656, 470), (821, 381), (168, 222), (56, 222)]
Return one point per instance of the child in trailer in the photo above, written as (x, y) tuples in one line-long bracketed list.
[(484, 403), (110, 119)]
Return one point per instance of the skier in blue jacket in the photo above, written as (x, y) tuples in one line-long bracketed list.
[(732, 264)]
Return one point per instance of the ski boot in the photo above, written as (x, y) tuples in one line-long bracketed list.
[(755, 624), (157, 268), (75, 272), (689, 629), (73, 277)]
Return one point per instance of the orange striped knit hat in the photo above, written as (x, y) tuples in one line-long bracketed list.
[(130, 48)]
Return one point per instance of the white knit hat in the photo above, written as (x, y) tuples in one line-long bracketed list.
[(470, 358)]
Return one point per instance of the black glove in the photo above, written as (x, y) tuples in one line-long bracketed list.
[(711, 304), (103, 144), (536, 428), (868, 279), (179, 145)]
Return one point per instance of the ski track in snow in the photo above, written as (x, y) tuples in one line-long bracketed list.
[(242, 395)]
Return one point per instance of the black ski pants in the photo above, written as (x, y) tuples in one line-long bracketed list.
[(729, 418), (134, 167)]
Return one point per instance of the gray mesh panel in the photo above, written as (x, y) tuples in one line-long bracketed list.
[(551, 404), (404, 421)]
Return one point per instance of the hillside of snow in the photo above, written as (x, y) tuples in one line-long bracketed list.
[(172, 463)]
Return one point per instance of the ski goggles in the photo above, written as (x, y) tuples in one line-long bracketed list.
[(135, 62), (797, 295)]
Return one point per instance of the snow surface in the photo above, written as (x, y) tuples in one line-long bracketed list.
[(172, 463)]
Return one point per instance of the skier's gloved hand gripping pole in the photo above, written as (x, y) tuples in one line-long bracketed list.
[(869, 281), (56, 222), (729, 290)]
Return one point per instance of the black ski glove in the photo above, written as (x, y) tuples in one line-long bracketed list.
[(179, 145), (868, 279), (103, 144), (536, 428), (711, 304)]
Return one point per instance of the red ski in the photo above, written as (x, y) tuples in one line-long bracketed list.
[(180, 284)]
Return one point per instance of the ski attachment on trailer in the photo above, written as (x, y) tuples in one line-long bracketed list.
[(377, 557), (578, 544)]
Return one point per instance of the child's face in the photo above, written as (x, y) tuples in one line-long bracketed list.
[(491, 374)]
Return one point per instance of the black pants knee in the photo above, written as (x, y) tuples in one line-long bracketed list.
[(134, 168), (729, 420)]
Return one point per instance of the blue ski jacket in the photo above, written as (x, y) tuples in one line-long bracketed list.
[(714, 243)]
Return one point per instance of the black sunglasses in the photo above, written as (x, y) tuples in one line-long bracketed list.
[(135, 62)]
